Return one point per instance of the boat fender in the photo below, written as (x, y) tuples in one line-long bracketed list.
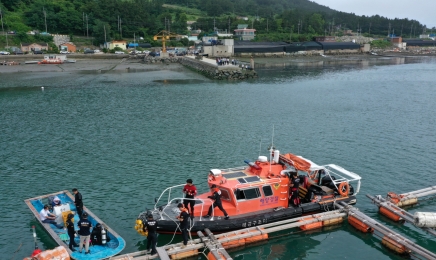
[(344, 189), (103, 236)]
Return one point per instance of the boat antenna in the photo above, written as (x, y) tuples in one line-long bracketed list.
[(271, 150), (260, 146)]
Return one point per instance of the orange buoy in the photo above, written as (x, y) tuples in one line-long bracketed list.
[(257, 238), (394, 245), (357, 223), (331, 222), (210, 256), (184, 254), (234, 243), (344, 189), (58, 253), (310, 226), (390, 214), (393, 197)]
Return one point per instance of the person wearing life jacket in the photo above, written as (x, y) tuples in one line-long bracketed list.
[(151, 227), (190, 191), (97, 235), (71, 232), (183, 218), (295, 183), (216, 197)]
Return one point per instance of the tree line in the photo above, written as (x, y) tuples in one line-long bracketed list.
[(116, 19)]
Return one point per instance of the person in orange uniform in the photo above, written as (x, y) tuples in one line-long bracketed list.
[(216, 197), (190, 191), (183, 218)]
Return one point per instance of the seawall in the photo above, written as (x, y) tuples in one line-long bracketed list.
[(207, 67)]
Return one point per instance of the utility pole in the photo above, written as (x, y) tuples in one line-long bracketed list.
[(369, 30), (298, 28), (411, 30), (83, 23), (229, 25), (3, 29), (121, 29), (401, 34), (45, 18), (266, 24), (104, 27), (389, 31), (87, 34), (290, 35)]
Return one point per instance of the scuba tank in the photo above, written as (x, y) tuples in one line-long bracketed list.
[(103, 236)]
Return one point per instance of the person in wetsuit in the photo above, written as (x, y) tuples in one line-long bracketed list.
[(78, 202), (216, 197), (183, 217), (190, 191), (71, 232), (295, 183), (151, 227)]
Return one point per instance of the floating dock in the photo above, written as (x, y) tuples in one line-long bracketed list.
[(217, 244)]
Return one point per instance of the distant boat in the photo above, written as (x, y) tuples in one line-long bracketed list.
[(31, 62), (70, 61), (53, 59), (113, 247)]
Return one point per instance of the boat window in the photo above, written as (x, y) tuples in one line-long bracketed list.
[(267, 191), (247, 194), (225, 195)]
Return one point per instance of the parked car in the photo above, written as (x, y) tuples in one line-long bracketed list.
[(4, 53), (38, 52), (64, 52), (146, 52), (119, 52), (88, 51), (18, 52)]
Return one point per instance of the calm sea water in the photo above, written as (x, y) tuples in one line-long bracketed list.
[(121, 138)]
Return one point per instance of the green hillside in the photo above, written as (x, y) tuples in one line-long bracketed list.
[(274, 19)]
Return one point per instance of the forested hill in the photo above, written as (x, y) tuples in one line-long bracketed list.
[(124, 18)]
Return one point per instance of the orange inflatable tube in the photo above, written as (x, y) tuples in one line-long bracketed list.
[(359, 225), (389, 214), (310, 226)]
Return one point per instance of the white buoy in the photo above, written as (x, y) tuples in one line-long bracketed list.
[(42, 88)]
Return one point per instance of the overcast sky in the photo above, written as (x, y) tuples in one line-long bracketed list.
[(421, 10)]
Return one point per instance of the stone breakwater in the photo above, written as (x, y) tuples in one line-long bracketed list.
[(207, 69)]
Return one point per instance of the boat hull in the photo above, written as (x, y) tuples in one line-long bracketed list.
[(113, 247), (219, 224)]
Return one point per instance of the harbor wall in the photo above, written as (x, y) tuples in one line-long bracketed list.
[(209, 70)]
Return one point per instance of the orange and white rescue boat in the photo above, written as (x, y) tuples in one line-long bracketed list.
[(258, 193)]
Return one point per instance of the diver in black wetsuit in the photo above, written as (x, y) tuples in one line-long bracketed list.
[(295, 183)]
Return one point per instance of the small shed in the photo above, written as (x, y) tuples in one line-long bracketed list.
[(68, 46)]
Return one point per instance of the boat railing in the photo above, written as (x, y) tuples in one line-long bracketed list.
[(267, 181), (162, 210), (169, 189), (240, 168), (344, 175)]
